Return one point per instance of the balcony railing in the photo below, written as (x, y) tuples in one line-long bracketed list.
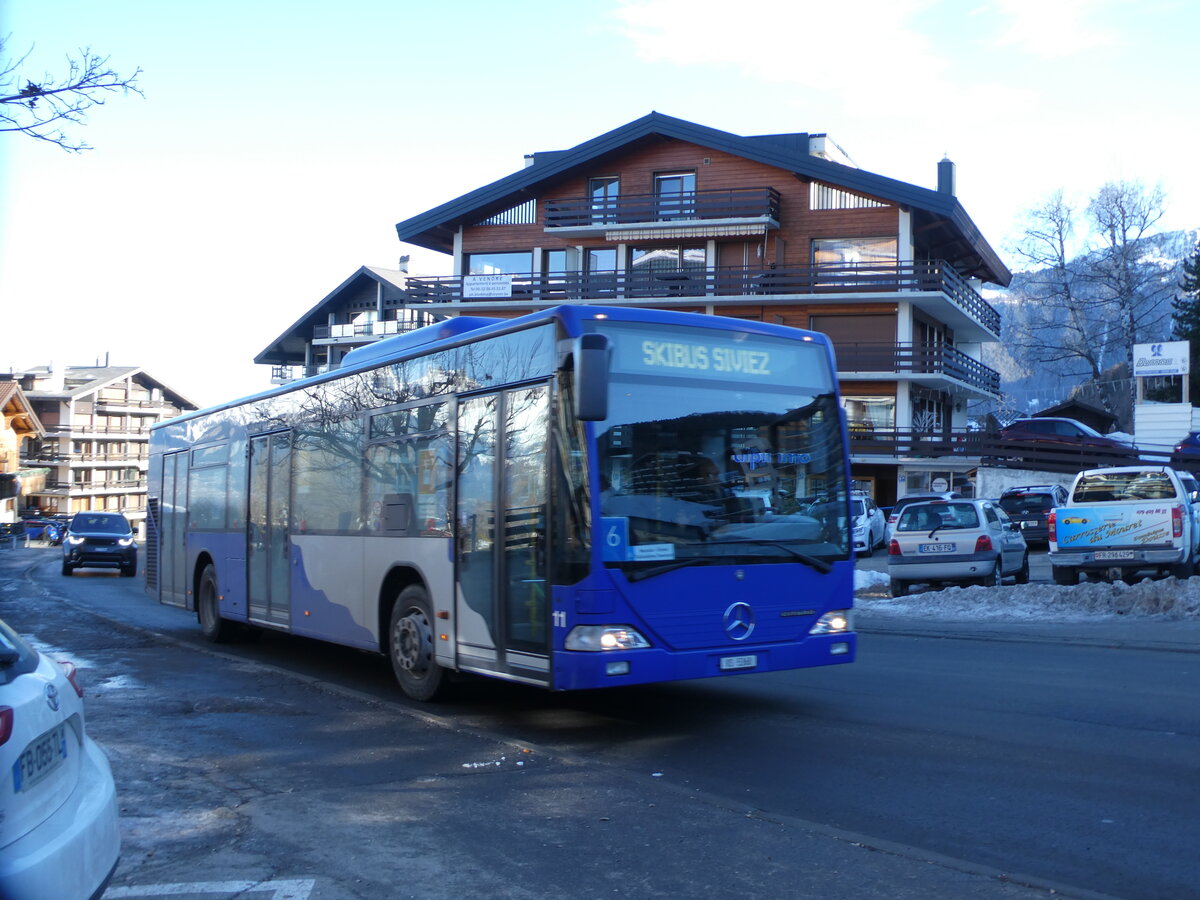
[(634, 209), (573, 287), (867, 441), (921, 359), (102, 430), (150, 405), (361, 329), (91, 487)]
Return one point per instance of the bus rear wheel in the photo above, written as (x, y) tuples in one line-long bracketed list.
[(410, 646), (208, 610)]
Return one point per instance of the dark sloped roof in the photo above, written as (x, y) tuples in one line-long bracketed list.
[(288, 348), (435, 228)]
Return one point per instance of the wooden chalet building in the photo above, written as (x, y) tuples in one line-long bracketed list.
[(780, 228)]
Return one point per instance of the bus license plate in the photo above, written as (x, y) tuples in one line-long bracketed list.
[(1114, 554), (738, 662), (936, 548), (40, 758)]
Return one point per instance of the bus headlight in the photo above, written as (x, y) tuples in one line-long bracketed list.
[(836, 621), (598, 638)]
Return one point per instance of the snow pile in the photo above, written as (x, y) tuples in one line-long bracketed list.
[(1167, 598)]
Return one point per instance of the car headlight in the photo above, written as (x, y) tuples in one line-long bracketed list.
[(598, 638), (74, 539), (836, 621), (126, 542)]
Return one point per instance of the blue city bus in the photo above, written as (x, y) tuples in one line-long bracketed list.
[(581, 497)]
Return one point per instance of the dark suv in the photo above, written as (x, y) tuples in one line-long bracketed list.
[(1029, 506), (101, 540)]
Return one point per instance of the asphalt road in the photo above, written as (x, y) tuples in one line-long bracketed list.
[(936, 765)]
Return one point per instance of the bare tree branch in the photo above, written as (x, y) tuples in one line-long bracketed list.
[(43, 109)]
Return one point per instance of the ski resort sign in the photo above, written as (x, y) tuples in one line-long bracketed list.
[(1169, 358)]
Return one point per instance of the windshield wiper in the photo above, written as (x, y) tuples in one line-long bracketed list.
[(641, 574), (821, 565)]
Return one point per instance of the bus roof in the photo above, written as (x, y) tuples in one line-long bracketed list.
[(455, 330)]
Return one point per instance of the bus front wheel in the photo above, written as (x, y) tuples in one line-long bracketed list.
[(212, 626), (410, 645)]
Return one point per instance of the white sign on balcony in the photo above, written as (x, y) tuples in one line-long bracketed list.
[(1169, 358), (486, 287)]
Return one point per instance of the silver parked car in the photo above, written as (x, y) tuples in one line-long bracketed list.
[(955, 542), (58, 804)]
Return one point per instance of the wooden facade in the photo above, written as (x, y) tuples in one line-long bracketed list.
[(896, 283)]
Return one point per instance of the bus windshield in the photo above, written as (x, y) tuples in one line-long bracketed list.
[(721, 449)]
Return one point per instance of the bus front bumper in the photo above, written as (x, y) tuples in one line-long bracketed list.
[(574, 671)]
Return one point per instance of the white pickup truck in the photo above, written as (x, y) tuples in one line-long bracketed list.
[(1121, 520)]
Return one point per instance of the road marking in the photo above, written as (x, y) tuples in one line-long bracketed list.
[(294, 889)]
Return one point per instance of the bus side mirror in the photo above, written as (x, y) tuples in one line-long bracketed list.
[(590, 358)]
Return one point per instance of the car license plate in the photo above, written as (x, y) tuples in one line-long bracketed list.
[(1113, 554), (937, 548), (40, 758), (738, 662)]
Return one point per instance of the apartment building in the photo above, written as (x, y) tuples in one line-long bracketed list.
[(780, 228), (97, 436)]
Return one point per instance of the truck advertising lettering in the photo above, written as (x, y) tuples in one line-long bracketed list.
[(1137, 526)]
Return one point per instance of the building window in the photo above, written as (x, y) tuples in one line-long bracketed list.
[(866, 414), (854, 251), (675, 193), (600, 271), (652, 262), (600, 259), (604, 192), (499, 263)]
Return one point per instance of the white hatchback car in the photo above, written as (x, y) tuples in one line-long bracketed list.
[(58, 805), (870, 525), (955, 541)]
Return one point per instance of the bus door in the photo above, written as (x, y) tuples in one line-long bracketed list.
[(502, 499), (268, 548), (172, 530)]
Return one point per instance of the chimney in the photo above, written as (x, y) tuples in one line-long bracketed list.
[(946, 176)]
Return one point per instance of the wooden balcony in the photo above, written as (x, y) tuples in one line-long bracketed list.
[(868, 441), (783, 283), (920, 359), (760, 204)]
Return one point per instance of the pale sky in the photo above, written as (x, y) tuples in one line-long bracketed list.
[(280, 142)]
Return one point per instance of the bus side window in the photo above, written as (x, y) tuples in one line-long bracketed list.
[(408, 477)]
